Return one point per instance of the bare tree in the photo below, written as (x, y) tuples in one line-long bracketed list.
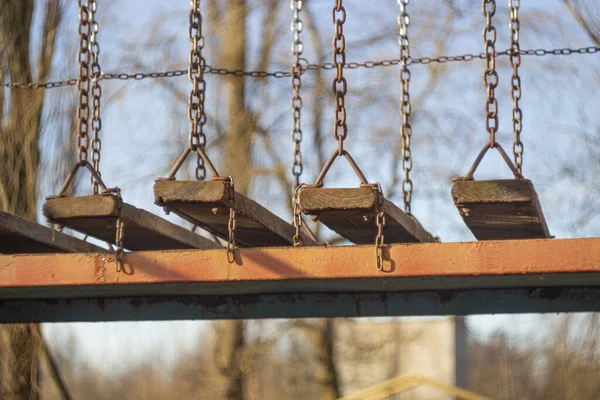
[(20, 129)]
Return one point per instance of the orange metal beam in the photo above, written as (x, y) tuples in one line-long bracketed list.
[(447, 269), (435, 266)]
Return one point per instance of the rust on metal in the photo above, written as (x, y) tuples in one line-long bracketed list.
[(436, 266)]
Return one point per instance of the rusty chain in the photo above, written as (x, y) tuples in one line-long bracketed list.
[(490, 76), (297, 48), (380, 220), (119, 227), (297, 239), (340, 86), (231, 222), (138, 76), (515, 62), (96, 121), (196, 113), (296, 74), (83, 83), (197, 117), (405, 106)]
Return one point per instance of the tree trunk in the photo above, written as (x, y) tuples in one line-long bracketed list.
[(19, 163), (326, 373), (238, 163), (321, 336)]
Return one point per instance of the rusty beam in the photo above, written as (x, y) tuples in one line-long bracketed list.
[(420, 279)]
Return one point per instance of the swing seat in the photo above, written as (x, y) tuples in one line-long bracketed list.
[(500, 209), (206, 204), (21, 236), (352, 214), (97, 215)]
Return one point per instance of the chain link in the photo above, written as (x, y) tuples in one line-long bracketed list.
[(306, 67), (297, 48), (515, 62), (231, 222), (405, 106), (119, 228), (96, 94), (340, 86), (83, 84), (296, 74), (297, 217), (490, 76), (380, 220), (196, 113)]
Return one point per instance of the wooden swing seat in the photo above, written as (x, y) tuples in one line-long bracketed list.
[(352, 214), (21, 236), (500, 209), (97, 215), (206, 204)]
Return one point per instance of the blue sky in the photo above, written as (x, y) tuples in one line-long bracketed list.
[(138, 117)]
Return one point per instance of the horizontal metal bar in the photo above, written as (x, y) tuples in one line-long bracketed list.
[(302, 305), (475, 277)]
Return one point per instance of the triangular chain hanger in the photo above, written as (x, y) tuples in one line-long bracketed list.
[(202, 155), (88, 49), (196, 111), (490, 79), (340, 88), (95, 177), (482, 154), (319, 181)]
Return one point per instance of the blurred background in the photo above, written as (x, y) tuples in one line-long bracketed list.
[(145, 126)]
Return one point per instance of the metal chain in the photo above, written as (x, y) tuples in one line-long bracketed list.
[(515, 62), (490, 76), (297, 48), (83, 84), (96, 94), (231, 222), (296, 74), (380, 220), (405, 107), (297, 217), (119, 229), (196, 113), (138, 76), (119, 252), (340, 86)]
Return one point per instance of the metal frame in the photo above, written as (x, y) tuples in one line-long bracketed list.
[(418, 279)]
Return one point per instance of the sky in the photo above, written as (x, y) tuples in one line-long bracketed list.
[(133, 120)]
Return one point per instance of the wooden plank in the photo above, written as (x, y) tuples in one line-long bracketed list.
[(500, 209), (206, 203), (97, 216), (419, 279), (352, 214), (316, 201), (19, 236)]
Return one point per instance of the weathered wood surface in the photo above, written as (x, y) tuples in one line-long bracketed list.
[(352, 214), (21, 236), (206, 203), (97, 216), (500, 209)]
